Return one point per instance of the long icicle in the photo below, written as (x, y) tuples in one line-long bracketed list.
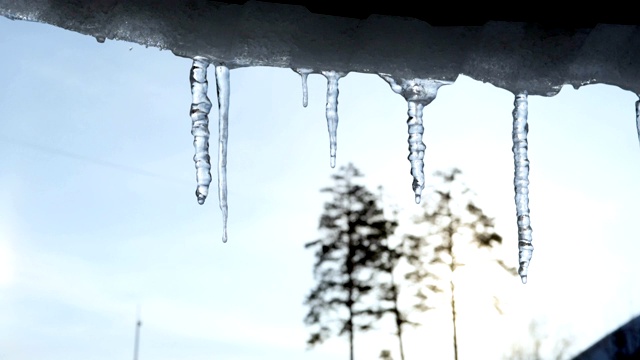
[(222, 82), (332, 111), (418, 93), (304, 73), (416, 147), (200, 107), (521, 182)]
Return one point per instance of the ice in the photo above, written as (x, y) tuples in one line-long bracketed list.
[(222, 82), (418, 93), (332, 110), (304, 73), (521, 182), (638, 118), (200, 107)]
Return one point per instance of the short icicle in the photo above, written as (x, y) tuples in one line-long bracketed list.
[(222, 82), (304, 73), (332, 111), (200, 107), (418, 93), (638, 118), (521, 183)]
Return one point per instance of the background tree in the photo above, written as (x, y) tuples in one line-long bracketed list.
[(531, 349), (385, 355), (389, 290), (355, 231), (449, 215)]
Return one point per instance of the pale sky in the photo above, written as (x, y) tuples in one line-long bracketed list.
[(98, 213)]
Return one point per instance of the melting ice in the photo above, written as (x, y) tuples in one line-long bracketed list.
[(418, 93), (521, 182), (638, 118), (332, 111), (200, 107), (304, 73), (332, 104), (223, 86)]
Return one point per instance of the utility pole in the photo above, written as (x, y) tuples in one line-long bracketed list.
[(137, 341)]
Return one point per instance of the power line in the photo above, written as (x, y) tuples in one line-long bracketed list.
[(94, 161)]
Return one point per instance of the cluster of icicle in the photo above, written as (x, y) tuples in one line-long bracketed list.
[(417, 92), (200, 107), (332, 105)]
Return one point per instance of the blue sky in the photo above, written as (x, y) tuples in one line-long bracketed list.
[(98, 213)]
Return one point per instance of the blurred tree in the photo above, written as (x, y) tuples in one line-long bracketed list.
[(449, 216), (532, 348), (389, 288), (385, 355), (354, 243)]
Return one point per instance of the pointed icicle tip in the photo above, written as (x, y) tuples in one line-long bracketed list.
[(418, 199), (523, 270)]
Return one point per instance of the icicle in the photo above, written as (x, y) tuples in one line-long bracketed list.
[(222, 82), (418, 93), (332, 111), (305, 91), (200, 108), (638, 117), (521, 182)]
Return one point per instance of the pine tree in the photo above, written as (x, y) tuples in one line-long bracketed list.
[(354, 231), (449, 215), (389, 289)]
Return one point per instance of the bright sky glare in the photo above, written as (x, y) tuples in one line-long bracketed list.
[(98, 213)]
